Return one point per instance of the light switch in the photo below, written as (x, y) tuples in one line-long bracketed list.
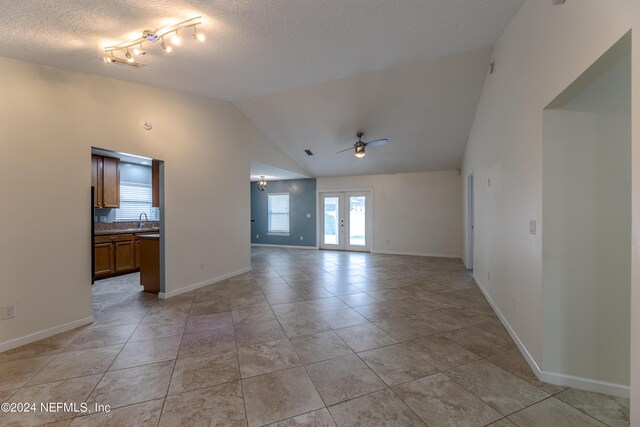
[(308, 215), (532, 227)]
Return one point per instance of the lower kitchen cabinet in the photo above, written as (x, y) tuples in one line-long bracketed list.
[(114, 254), (124, 254), (104, 259)]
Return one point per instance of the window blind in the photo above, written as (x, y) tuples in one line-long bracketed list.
[(135, 199), (278, 213)]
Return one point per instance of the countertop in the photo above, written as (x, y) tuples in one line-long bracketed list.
[(127, 231)]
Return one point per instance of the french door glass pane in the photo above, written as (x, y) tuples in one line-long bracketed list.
[(357, 224), (331, 222)]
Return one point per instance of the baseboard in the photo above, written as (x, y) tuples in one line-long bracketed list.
[(551, 377), (266, 245), (167, 295), (36, 336), (586, 384), (416, 254)]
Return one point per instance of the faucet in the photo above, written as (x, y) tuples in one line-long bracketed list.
[(146, 218)]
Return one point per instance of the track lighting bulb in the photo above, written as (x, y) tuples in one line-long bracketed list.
[(175, 39), (196, 35), (138, 50), (129, 57), (166, 48)]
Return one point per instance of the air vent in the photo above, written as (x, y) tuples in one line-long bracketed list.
[(309, 153), (558, 2)]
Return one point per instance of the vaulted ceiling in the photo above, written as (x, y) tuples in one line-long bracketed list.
[(424, 109), (259, 52)]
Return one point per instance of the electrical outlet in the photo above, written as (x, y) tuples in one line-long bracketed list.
[(308, 215), (9, 311), (532, 227), (257, 236), (301, 238)]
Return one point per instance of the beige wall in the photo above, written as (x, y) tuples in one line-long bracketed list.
[(413, 213), (49, 120), (542, 51)]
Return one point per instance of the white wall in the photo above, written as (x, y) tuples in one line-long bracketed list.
[(586, 252), (49, 120), (413, 213), (542, 51)]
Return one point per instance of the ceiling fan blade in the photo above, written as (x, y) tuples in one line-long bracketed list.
[(346, 149), (377, 142)]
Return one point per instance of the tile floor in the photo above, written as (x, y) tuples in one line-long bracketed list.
[(307, 338)]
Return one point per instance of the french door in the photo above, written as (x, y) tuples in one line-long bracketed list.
[(345, 221)]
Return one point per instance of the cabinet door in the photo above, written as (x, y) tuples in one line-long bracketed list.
[(124, 256), (103, 259), (110, 182), (137, 253), (155, 183), (96, 180)]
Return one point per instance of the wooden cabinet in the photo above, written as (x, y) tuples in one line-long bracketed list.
[(150, 263), (137, 252), (124, 254), (114, 254), (155, 183), (104, 259), (105, 179)]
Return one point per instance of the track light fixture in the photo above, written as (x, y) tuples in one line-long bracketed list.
[(150, 36), (196, 35), (129, 57), (166, 48)]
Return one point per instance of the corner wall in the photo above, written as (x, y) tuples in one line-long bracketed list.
[(542, 51), (50, 118), (413, 213)]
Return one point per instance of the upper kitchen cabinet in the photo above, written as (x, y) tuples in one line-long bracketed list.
[(155, 183), (105, 179)]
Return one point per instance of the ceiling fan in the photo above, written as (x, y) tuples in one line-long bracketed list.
[(359, 146)]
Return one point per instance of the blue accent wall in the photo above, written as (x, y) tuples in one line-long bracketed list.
[(302, 201)]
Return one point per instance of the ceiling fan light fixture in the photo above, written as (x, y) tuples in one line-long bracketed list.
[(262, 184), (359, 149)]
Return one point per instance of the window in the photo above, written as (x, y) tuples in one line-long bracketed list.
[(278, 213), (134, 200)]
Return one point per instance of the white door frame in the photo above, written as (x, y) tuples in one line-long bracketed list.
[(369, 247), (340, 230), (470, 220)]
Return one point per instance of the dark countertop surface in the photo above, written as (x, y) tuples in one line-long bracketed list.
[(150, 236), (127, 231)]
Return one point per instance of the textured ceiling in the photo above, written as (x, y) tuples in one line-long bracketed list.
[(426, 110), (253, 47)]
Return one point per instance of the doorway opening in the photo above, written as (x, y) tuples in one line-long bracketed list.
[(586, 218), (470, 226), (345, 221), (127, 224)]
